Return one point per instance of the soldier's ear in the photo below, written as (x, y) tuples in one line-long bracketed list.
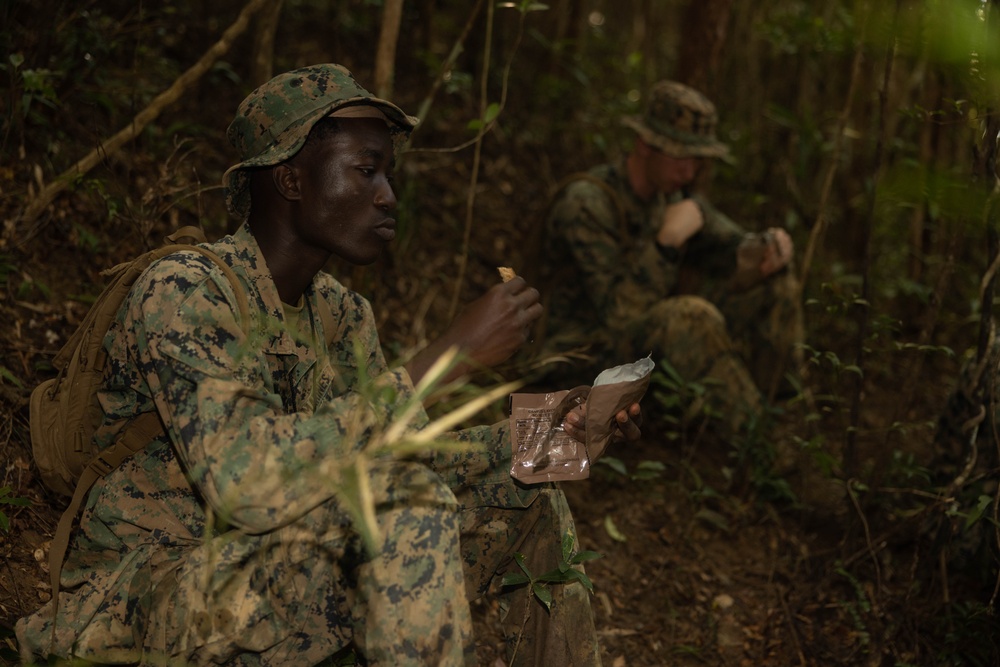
[(286, 181)]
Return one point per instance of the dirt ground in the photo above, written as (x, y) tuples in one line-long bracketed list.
[(690, 575)]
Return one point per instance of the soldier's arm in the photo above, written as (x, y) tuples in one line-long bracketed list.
[(257, 466), (615, 271)]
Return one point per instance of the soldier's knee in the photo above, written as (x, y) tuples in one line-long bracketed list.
[(410, 483), (691, 313)]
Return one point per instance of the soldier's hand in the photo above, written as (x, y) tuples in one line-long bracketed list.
[(681, 221), (487, 332), (491, 328), (778, 251), (629, 422), (759, 256)]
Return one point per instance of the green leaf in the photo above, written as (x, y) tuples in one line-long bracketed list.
[(519, 559), (7, 499), (10, 377), (614, 463), (714, 518), (977, 513), (585, 580), (558, 576), (649, 470), (4, 522), (613, 532), (543, 594), (514, 579), (492, 111), (568, 542), (584, 556)]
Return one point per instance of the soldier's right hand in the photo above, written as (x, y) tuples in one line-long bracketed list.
[(681, 221), (491, 328)]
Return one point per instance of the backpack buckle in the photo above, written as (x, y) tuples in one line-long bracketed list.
[(101, 465)]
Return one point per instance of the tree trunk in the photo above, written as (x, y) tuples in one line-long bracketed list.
[(385, 58), (703, 36), (262, 66)]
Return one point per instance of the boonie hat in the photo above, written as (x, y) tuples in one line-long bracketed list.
[(272, 123), (679, 121)]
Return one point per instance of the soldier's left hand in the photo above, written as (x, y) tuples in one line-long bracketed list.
[(629, 422), (777, 252)]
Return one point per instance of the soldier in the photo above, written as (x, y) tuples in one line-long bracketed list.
[(229, 539), (645, 265)]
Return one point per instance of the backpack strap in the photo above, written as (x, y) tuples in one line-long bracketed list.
[(139, 433), (327, 319), (195, 234), (613, 197)]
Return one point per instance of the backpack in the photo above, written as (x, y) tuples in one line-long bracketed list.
[(64, 411)]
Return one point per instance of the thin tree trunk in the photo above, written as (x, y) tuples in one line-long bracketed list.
[(385, 57), (27, 225), (456, 50), (262, 68), (703, 36), (850, 459)]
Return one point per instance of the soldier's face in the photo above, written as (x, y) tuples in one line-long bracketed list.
[(669, 174), (346, 198)]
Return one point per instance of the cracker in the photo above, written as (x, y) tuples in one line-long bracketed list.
[(506, 273)]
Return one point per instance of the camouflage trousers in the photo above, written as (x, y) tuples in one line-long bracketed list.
[(739, 348), (303, 593)]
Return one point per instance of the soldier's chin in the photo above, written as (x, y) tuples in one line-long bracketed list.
[(366, 258)]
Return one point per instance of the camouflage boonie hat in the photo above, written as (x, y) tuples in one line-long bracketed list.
[(272, 123), (679, 121)]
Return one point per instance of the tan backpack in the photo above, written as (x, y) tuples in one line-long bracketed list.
[(64, 411)]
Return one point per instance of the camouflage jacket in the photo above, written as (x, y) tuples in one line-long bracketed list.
[(254, 417), (605, 266)]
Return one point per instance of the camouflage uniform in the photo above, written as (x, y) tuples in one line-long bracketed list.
[(618, 291), (228, 540)]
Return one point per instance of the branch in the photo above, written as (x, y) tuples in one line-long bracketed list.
[(474, 177), (138, 124), (838, 143), (456, 50)]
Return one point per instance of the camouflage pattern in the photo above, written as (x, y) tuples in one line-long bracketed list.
[(679, 121), (227, 540), (272, 123), (615, 292)]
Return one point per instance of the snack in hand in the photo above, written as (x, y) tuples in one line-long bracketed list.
[(506, 273)]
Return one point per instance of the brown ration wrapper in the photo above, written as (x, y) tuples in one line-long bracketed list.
[(543, 452)]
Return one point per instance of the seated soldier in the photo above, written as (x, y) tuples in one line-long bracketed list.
[(643, 265), (228, 539)]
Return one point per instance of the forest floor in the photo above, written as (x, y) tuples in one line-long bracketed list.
[(695, 572)]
